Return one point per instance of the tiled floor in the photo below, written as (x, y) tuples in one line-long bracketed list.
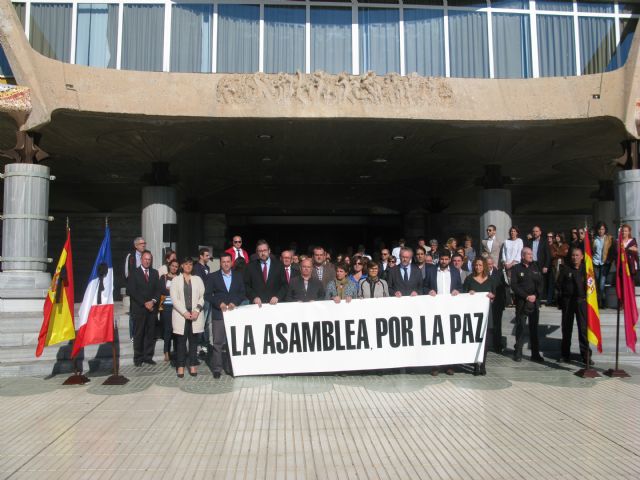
[(521, 421)]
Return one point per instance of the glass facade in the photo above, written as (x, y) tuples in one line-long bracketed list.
[(451, 38)]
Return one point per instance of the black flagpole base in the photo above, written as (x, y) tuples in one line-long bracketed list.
[(76, 379), (616, 373), (587, 373), (115, 380)]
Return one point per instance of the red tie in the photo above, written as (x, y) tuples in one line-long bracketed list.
[(146, 275), (287, 272), (264, 272)]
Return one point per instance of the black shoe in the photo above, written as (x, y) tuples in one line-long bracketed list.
[(483, 369), (565, 359), (150, 362), (180, 375), (498, 350), (449, 371), (476, 370), (193, 374), (137, 364), (537, 358), (435, 372), (517, 357), (591, 363), (216, 375)]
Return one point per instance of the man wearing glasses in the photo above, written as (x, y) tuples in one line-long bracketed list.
[(491, 245), (236, 251)]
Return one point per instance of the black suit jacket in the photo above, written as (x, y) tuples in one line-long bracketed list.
[(543, 254), (255, 286), (216, 292), (295, 272), (297, 293), (398, 284), (140, 291), (431, 280)]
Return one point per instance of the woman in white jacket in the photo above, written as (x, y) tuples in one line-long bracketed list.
[(512, 249), (187, 294)]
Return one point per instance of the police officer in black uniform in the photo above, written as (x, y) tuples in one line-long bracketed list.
[(527, 285), (572, 294)]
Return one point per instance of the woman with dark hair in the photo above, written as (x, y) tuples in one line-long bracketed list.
[(187, 294), (166, 307), (373, 286), (341, 288), (630, 246), (479, 281), (512, 249), (357, 269), (168, 257)]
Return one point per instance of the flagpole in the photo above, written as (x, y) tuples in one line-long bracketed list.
[(115, 378), (77, 378), (617, 372)]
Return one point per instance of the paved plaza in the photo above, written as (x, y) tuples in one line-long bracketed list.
[(523, 420)]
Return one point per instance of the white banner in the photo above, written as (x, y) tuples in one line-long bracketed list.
[(362, 335)]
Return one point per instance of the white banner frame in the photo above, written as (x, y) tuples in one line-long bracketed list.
[(372, 334)]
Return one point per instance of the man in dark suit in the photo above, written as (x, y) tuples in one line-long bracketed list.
[(540, 249), (224, 290), (405, 279), (264, 279), (305, 287), (131, 262), (445, 279), (143, 287), (322, 270), (286, 257)]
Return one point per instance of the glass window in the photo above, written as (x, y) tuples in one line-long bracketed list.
[(629, 7), (5, 69), (379, 40), (191, 38), (21, 10), (627, 29), (468, 44), (597, 43), (595, 6), (50, 30), (422, 2), (556, 46), (238, 30), (142, 37), (511, 46), (467, 3), (331, 39), (555, 5), (284, 39), (424, 41), (97, 35), (524, 4)]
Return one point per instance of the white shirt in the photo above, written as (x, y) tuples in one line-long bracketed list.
[(396, 253), (444, 281), (490, 243), (512, 251), (534, 247)]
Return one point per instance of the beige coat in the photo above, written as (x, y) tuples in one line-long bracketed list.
[(179, 308)]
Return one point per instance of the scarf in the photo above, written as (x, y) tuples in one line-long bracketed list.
[(341, 286)]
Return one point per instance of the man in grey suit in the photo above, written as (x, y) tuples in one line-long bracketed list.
[(405, 279), (491, 246), (322, 270)]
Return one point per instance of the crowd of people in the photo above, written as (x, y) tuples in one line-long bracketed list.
[(189, 300)]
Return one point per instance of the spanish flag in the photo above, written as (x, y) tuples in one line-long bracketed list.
[(593, 314), (57, 325)]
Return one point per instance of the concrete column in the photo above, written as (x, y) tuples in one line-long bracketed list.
[(158, 208), (627, 192), (495, 209), (25, 223), (605, 211)]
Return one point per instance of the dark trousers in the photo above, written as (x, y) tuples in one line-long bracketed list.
[(496, 316), (572, 307), (167, 328), (188, 336), (219, 341), (601, 272), (551, 286), (144, 337), (521, 320)]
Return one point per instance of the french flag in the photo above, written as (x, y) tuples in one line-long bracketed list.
[(94, 324)]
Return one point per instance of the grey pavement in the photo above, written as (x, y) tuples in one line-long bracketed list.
[(523, 420)]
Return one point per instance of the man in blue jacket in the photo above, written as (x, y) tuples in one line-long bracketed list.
[(225, 290)]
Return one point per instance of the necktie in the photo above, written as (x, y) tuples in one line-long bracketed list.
[(264, 272), (288, 274), (404, 273), (146, 275), (238, 254)]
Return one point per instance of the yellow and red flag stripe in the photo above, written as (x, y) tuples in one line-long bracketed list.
[(594, 334), (57, 324)]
